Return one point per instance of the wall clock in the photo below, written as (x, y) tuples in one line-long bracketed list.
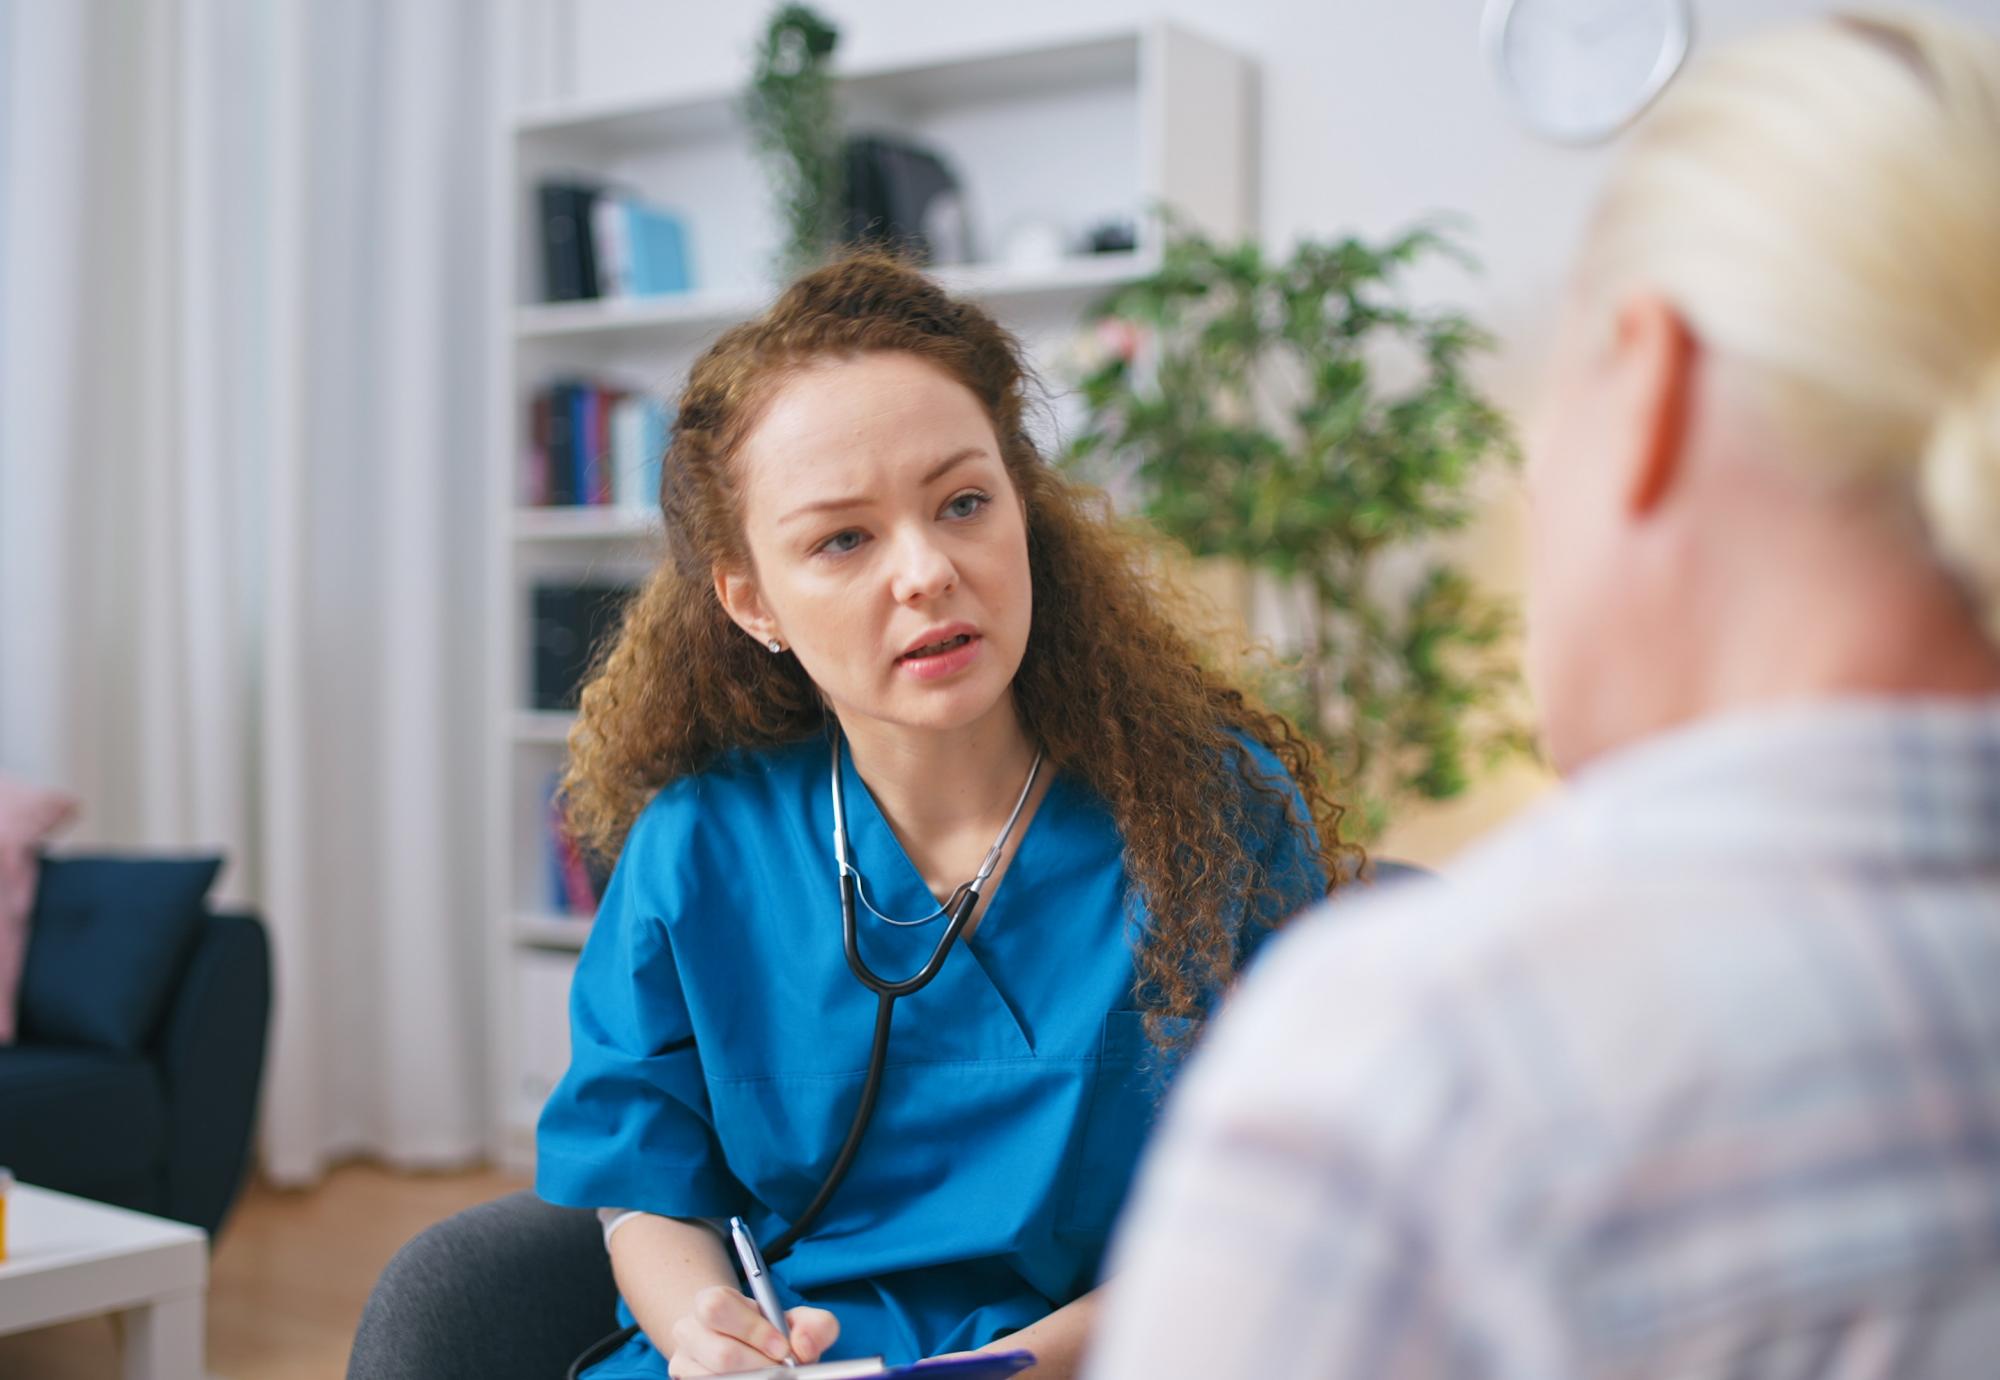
[(1578, 71)]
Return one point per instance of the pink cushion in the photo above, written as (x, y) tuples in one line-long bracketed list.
[(27, 817)]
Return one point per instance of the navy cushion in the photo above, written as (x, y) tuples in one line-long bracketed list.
[(81, 1120), (106, 945)]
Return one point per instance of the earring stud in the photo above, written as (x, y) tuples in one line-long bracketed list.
[(775, 645)]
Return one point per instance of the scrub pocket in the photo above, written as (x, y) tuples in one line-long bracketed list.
[(1115, 1125)]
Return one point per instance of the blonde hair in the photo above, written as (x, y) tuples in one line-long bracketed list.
[(1822, 203)]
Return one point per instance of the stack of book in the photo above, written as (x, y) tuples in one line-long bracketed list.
[(576, 877), (595, 445), (599, 242)]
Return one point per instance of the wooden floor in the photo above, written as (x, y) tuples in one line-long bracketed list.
[(287, 1280)]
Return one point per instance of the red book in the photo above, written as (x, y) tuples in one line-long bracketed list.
[(600, 445), (577, 890), (573, 880), (536, 486)]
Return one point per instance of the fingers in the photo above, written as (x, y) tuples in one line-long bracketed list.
[(682, 1365), (724, 1332), (813, 1331), (698, 1351)]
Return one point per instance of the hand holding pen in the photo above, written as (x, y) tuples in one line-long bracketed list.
[(759, 1279), (725, 1331)]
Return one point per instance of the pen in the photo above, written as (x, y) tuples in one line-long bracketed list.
[(759, 1279)]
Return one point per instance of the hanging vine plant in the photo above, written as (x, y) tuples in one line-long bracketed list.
[(1299, 418), (795, 128)]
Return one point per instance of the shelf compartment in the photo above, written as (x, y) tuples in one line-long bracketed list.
[(697, 313), (543, 726), (548, 931), (584, 523)]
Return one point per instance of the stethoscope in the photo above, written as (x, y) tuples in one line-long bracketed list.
[(958, 907)]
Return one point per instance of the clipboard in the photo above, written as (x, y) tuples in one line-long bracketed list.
[(995, 1366)]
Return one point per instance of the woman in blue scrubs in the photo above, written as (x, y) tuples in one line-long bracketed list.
[(871, 572)]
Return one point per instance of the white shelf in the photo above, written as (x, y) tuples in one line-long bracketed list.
[(1063, 135), (623, 123), (1084, 273), (700, 313), (584, 523), (543, 726), (552, 931), (628, 123), (684, 313)]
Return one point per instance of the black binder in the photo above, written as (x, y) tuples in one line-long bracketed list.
[(570, 622), (569, 256)]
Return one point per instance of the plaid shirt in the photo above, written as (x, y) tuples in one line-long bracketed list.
[(1695, 1072)]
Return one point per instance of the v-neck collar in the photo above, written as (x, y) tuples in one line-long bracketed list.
[(894, 882)]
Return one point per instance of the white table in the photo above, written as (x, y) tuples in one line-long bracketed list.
[(71, 1258)]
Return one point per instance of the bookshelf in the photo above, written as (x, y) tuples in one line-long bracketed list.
[(1065, 134), (702, 315), (582, 524)]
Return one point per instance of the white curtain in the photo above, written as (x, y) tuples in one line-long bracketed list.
[(247, 338)]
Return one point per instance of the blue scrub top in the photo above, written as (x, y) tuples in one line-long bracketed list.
[(719, 1043)]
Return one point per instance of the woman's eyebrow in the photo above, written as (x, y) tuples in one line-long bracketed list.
[(953, 461), (942, 468)]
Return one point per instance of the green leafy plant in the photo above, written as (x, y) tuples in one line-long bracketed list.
[(1300, 418), (795, 127)]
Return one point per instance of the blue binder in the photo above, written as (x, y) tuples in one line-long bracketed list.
[(990, 1367)]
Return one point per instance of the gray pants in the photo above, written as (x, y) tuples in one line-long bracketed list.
[(513, 1289)]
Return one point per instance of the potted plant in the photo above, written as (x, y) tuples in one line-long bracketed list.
[(1299, 418), (795, 127)]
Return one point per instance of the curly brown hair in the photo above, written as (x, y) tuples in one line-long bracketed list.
[(1110, 685)]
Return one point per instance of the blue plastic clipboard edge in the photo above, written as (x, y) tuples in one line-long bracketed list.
[(993, 1366)]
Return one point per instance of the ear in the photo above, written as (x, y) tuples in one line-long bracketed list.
[(1655, 358), (743, 601)]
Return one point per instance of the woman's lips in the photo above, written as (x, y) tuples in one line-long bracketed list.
[(951, 661)]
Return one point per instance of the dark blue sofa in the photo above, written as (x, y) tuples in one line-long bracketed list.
[(166, 1130)]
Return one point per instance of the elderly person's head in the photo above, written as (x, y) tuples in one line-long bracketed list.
[(1768, 463)]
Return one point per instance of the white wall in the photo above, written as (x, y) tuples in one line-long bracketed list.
[(1374, 113)]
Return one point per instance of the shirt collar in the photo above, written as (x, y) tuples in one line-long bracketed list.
[(1884, 780)]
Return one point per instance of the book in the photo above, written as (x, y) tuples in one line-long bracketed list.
[(628, 452), (535, 482), (641, 249), (576, 877), (639, 437), (595, 444), (608, 223), (602, 402), (583, 467), (656, 434), (569, 256), (569, 622), (561, 486), (656, 243)]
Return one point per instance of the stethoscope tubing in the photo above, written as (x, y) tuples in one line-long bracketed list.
[(963, 902), (886, 994)]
